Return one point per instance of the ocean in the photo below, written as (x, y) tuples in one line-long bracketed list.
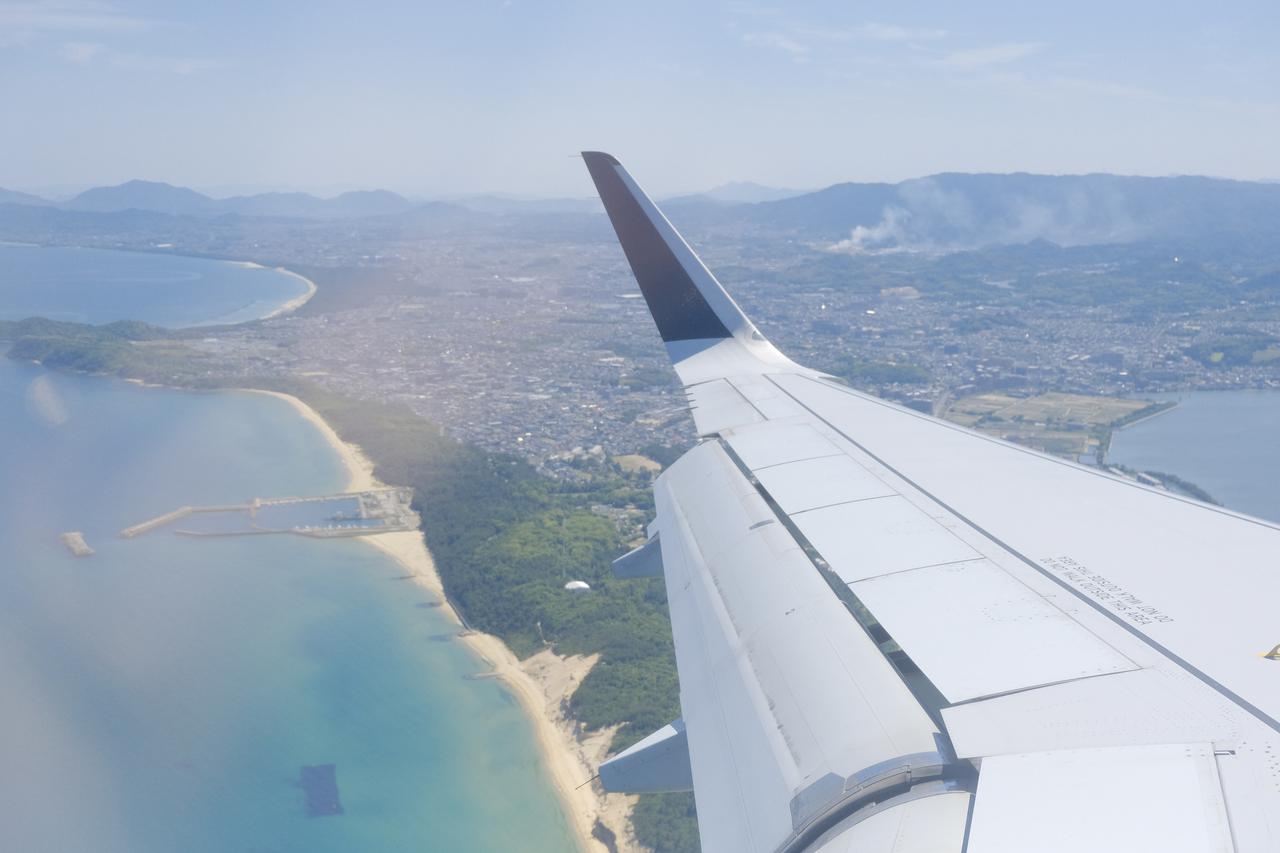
[(100, 286), (1223, 441), (166, 693)]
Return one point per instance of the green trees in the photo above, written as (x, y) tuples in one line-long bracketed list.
[(669, 823), (506, 540)]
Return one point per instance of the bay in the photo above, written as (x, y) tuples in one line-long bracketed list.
[(1223, 441), (100, 286), (165, 693)]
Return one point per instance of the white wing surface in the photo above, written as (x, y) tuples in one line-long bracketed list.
[(895, 634)]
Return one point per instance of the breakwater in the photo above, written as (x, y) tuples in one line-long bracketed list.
[(174, 515), (321, 516)]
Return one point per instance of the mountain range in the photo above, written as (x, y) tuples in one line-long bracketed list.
[(942, 212), (14, 197), (953, 211), (159, 197)]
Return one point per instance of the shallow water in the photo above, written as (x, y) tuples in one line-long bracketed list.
[(1226, 442), (164, 693)]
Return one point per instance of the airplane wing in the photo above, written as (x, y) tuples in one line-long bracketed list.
[(897, 635)]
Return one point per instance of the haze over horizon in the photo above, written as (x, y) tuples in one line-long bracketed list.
[(499, 96)]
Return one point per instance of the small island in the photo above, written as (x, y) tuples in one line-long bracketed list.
[(74, 540)]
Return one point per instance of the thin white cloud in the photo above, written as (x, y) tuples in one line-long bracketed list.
[(86, 53), (163, 64), (1107, 88), (873, 32), (801, 42), (999, 54), (778, 41), (752, 10), (1018, 82), (24, 23), (892, 32), (66, 17), (79, 52)]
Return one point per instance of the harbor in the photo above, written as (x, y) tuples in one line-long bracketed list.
[(321, 516)]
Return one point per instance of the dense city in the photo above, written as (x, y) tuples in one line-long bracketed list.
[(545, 349)]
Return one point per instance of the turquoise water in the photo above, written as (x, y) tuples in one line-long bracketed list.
[(100, 286), (163, 694), (1226, 442)]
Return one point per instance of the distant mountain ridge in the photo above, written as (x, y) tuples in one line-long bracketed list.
[(142, 195), (357, 203), (944, 212), (749, 192), (504, 205), (737, 192), (159, 197), (15, 197), (953, 211)]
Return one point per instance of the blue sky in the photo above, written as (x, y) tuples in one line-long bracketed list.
[(442, 98)]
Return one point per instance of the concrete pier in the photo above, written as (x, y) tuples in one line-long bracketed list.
[(153, 523), (390, 507), (180, 512)]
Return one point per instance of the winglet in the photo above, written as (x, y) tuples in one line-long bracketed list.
[(686, 301)]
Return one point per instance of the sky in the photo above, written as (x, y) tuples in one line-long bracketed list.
[(436, 99)]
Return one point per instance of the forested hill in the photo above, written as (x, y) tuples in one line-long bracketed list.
[(960, 211)]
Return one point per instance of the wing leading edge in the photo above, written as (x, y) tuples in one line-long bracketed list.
[(895, 635)]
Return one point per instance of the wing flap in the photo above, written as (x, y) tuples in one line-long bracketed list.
[(779, 442), (975, 631), (929, 825), (817, 483), (790, 707), (866, 539), (1198, 585), (717, 405), (1139, 707), (1161, 799)]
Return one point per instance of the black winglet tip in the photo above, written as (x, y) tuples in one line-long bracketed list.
[(599, 157)]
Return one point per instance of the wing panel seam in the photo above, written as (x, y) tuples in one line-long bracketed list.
[(1186, 665), (1008, 445)]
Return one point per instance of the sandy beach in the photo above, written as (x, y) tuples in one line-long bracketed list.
[(542, 684), (295, 303)]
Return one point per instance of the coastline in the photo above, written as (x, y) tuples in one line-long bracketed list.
[(1155, 414), (1111, 432), (293, 304), (542, 684)]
